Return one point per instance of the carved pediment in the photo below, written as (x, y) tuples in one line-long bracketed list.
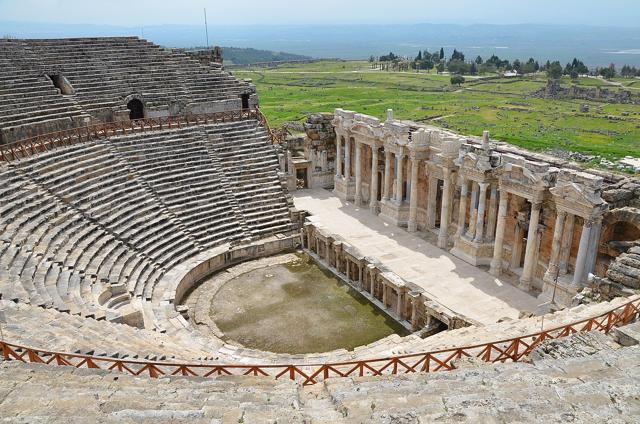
[(575, 193)]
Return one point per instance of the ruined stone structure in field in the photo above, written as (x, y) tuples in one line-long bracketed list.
[(554, 90), (131, 173)]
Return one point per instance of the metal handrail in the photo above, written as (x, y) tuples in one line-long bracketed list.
[(512, 349), (44, 142)]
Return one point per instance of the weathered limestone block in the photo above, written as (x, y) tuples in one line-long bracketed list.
[(622, 278), (319, 126)]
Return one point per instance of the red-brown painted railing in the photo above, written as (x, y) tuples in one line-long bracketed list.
[(513, 349), (44, 142)]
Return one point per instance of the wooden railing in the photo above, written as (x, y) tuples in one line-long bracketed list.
[(507, 350), (44, 142)]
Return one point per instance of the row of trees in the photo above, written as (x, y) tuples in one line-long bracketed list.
[(457, 63)]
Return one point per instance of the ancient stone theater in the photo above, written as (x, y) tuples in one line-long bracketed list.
[(144, 197)]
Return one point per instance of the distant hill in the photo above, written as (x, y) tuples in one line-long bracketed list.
[(596, 46), (244, 56)]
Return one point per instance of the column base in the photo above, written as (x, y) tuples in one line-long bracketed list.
[(344, 189), (393, 213), (472, 252), (412, 226), (443, 241), (525, 284), (496, 267), (373, 207), (565, 289)]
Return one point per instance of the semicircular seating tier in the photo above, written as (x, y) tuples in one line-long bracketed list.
[(92, 229), (55, 84)]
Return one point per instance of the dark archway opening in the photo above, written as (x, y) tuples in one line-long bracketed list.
[(136, 109), (245, 101), (62, 84)]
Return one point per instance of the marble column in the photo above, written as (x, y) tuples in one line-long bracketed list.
[(473, 210), (530, 251), (432, 202), (347, 266), (387, 175), (414, 312), (552, 269), (496, 262), (372, 283), (326, 252), (347, 158), (358, 195), (445, 213), (479, 238), (580, 271), (399, 177), (412, 225), (335, 252), (399, 304), (384, 294), (493, 210), (360, 282), (338, 156), (373, 198), (567, 243), (462, 214), (594, 244)]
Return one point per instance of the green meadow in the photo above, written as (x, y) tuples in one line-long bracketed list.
[(503, 106)]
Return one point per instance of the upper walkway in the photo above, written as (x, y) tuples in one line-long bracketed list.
[(463, 288)]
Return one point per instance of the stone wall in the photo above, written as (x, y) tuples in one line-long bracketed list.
[(547, 231), (404, 301), (555, 90), (317, 163)]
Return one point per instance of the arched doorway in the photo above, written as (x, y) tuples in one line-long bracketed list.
[(136, 109), (245, 100), (620, 231)]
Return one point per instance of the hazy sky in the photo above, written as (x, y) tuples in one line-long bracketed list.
[(150, 12)]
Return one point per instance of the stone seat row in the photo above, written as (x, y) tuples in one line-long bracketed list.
[(91, 230), (173, 178)]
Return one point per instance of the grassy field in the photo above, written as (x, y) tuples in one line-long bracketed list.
[(501, 105)]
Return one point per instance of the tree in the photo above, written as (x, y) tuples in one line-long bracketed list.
[(479, 60), (574, 74), (608, 72), (372, 59), (458, 67), (419, 57), (457, 80), (554, 70), (440, 67), (457, 55), (473, 69), (517, 66), (389, 58), (441, 53)]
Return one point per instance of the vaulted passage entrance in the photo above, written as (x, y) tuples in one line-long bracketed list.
[(136, 109)]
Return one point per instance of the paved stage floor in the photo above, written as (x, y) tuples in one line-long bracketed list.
[(461, 287)]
